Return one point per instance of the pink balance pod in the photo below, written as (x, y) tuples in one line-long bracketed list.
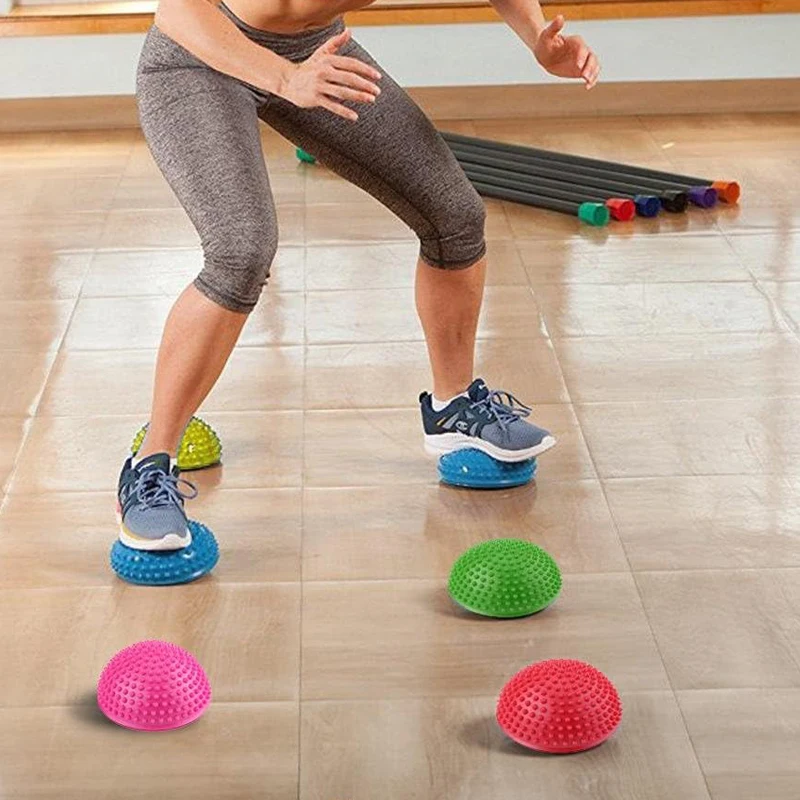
[(153, 686), (559, 706)]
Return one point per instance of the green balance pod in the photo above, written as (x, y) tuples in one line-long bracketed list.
[(594, 214), (200, 446), (306, 157), (504, 578)]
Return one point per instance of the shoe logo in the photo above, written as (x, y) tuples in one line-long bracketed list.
[(462, 426)]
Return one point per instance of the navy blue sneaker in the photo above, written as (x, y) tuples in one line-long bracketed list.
[(491, 421), (150, 505)]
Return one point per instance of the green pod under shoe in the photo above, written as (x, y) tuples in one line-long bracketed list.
[(505, 578), (200, 446)]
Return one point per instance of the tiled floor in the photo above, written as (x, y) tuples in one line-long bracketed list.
[(666, 357)]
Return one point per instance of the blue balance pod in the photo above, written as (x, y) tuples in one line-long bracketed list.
[(167, 567), (475, 469)]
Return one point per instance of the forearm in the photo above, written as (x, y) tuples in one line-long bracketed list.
[(201, 28), (524, 17)]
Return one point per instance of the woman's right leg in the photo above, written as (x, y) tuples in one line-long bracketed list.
[(202, 129)]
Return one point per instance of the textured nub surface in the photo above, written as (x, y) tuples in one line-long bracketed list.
[(505, 578), (559, 706), (200, 446), (153, 686)]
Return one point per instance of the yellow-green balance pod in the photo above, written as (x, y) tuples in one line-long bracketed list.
[(200, 446), (505, 578)]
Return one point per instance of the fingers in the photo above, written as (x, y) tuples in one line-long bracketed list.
[(335, 42), (591, 71), (345, 93), (555, 27), (354, 65), (345, 78), (338, 109)]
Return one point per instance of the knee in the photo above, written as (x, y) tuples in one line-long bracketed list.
[(460, 241), (237, 264)]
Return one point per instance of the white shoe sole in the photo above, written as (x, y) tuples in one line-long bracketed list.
[(440, 444), (172, 541)]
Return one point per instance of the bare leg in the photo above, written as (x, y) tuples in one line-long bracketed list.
[(448, 304), (198, 338)]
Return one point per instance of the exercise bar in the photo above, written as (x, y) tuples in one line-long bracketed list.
[(675, 201), (587, 175), (728, 191), (593, 213), (621, 209)]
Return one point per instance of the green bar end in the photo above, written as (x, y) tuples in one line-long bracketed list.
[(594, 214), (307, 157)]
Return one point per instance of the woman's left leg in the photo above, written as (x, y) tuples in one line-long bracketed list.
[(396, 154)]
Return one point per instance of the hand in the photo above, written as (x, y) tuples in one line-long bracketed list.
[(566, 56), (323, 78)]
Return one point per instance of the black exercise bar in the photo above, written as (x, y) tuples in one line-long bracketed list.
[(728, 191), (675, 201)]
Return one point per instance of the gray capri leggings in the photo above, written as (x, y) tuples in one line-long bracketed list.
[(202, 128)]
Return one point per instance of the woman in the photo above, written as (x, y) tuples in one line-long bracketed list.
[(208, 73)]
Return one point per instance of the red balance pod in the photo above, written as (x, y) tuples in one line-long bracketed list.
[(559, 706)]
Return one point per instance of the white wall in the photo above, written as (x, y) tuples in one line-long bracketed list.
[(758, 46)]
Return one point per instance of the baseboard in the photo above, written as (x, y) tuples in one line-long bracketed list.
[(466, 102)]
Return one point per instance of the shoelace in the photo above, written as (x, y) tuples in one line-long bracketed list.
[(155, 487), (504, 412)]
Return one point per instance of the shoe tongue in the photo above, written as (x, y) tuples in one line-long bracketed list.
[(155, 461), (477, 390)]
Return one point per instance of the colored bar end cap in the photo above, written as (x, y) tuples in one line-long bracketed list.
[(594, 214), (703, 196), (621, 209), (675, 202), (307, 157), (729, 191), (647, 205)]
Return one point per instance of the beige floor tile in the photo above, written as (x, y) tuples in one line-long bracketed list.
[(416, 532), (41, 275), (255, 379), (773, 256), (373, 447), (119, 323), (170, 227), (383, 315), (708, 522), (260, 449), (703, 437), (56, 194), (89, 153), (679, 367), (394, 373), (786, 296), (120, 273), (452, 749), (236, 750), (612, 138), (64, 538), (33, 325), (323, 186), (414, 641), (12, 432), (391, 265), (747, 741), (344, 222), (71, 633), (43, 233), (638, 259), (726, 629), (23, 378), (655, 309)]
